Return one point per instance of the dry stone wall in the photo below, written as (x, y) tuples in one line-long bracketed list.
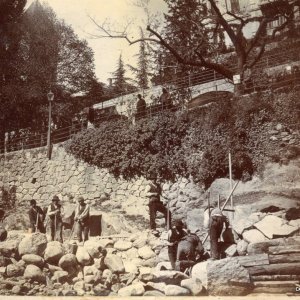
[(33, 176)]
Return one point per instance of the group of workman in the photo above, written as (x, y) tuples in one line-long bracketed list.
[(184, 248), (52, 218)]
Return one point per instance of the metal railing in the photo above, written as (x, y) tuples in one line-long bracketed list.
[(181, 90)]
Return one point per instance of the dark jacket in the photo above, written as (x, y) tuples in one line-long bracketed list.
[(33, 212)]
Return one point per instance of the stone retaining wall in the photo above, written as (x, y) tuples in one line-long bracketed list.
[(35, 177)]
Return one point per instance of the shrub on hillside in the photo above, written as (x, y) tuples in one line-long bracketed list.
[(193, 144)]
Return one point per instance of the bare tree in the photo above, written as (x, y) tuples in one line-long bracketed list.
[(210, 18)]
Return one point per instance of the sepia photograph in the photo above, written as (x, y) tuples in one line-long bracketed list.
[(149, 148)]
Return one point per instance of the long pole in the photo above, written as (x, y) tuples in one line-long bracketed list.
[(230, 178), (230, 183), (49, 132)]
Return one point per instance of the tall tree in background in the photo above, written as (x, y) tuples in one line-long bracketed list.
[(142, 70), (120, 85), (47, 54), (75, 67), (207, 19), (11, 12)]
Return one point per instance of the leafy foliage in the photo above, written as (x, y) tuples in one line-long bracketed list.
[(194, 144), (40, 52)]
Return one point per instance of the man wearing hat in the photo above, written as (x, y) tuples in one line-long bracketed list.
[(216, 223), (36, 217), (82, 215), (155, 205), (54, 213), (175, 234)]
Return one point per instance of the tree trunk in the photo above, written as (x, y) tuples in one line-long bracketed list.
[(239, 87)]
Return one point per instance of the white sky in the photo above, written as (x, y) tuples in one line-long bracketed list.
[(118, 12)]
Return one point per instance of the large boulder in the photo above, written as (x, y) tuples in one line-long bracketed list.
[(53, 268), (163, 255), (33, 259), (199, 271), (122, 245), (106, 243), (17, 220), (94, 247), (9, 248), (226, 277), (159, 286), (14, 270), (60, 276), (130, 267), (114, 263), (90, 270), (140, 242), (194, 219), (34, 273), (4, 261), (231, 251), (68, 262), (274, 227), (169, 277), (83, 257), (194, 285), (114, 224), (146, 252), (243, 221), (136, 289), (254, 236), (132, 253), (241, 247), (53, 253), (175, 290), (35, 243)]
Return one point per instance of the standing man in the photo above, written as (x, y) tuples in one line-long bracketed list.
[(82, 215), (54, 213), (140, 107), (217, 221), (165, 99), (36, 217), (155, 205)]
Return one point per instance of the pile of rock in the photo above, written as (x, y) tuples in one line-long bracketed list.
[(261, 226), (130, 266), (138, 264)]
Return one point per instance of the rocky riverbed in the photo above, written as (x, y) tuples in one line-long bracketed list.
[(262, 257)]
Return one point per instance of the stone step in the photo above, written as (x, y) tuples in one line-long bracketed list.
[(276, 284)]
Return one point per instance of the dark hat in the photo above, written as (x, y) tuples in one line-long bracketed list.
[(32, 202), (178, 223), (80, 199), (55, 198)]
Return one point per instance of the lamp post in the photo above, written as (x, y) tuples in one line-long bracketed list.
[(50, 97)]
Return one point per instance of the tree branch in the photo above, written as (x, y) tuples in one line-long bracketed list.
[(233, 37), (123, 35), (258, 56), (262, 27), (214, 66)]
